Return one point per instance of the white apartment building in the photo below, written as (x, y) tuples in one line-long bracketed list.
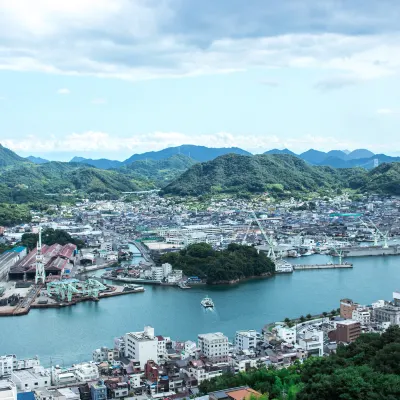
[(286, 334), (214, 346), (246, 340), (107, 246), (141, 346), (10, 363), (135, 380), (312, 341), (162, 352), (86, 372), (29, 379), (175, 276), (8, 391), (157, 273), (62, 376), (167, 269), (197, 370), (6, 365), (362, 315)]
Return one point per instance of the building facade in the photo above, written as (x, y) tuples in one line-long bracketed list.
[(214, 346)]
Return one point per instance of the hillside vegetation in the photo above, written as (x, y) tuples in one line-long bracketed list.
[(28, 182), (268, 172), (233, 264), (160, 171), (368, 368)]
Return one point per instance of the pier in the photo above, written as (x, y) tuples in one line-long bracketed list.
[(299, 267)]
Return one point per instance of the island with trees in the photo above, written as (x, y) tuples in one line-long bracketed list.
[(228, 266)]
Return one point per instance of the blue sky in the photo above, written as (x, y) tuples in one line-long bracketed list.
[(109, 78)]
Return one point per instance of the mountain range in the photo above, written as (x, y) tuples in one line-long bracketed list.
[(32, 179)]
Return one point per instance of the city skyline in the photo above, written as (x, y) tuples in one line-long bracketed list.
[(114, 78)]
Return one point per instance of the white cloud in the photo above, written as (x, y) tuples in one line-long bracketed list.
[(110, 146), (146, 39), (270, 83), (99, 100), (387, 111), (63, 91)]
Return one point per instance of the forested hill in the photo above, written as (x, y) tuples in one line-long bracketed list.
[(160, 171), (275, 172), (28, 182), (279, 173), (9, 158)]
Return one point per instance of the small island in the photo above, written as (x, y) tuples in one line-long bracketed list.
[(228, 266)]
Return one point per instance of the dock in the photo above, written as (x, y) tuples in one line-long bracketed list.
[(33, 300), (298, 267)]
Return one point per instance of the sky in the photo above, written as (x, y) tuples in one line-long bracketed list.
[(110, 78)]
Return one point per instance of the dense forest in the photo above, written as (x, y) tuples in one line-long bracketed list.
[(230, 265), (279, 174), (368, 368), (13, 214), (50, 236)]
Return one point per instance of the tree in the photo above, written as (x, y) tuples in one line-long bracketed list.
[(302, 319), (333, 312), (286, 320), (308, 316), (324, 313)]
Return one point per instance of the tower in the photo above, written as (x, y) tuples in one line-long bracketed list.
[(40, 272)]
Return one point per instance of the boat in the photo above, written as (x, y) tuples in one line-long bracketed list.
[(183, 285), (207, 302), (282, 266), (308, 253)]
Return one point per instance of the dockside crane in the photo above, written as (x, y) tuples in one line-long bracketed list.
[(384, 235)]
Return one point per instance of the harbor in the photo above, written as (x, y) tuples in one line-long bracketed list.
[(246, 306)]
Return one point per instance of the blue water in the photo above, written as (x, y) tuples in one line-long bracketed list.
[(71, 334)]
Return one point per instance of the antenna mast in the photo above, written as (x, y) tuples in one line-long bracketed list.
[(40, 272)]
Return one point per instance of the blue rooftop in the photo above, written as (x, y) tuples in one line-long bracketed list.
[(25, 396)]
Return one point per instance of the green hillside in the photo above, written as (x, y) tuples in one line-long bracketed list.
[(28, 182), (267, 172), (160, 171), (383, 179), (8, 158)]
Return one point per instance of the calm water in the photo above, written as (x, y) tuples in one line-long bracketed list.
[(72, 333)]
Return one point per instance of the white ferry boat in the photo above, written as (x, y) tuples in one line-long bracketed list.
[(282, 266), (207, 302)]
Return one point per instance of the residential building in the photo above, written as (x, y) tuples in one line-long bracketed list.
[(98, 391), (104, 354), (135, 380), (362, 315), (142, 346), (387, 313), (346, 308), (347, 331), (62, 376), (6, 365), (167, 269), (10, 363), (36, 377), (86, 372), (8, 390), (214, 346), (116, 389), (312, 341), (198, 371), (157, 273), (286, 334), (246, 340)]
